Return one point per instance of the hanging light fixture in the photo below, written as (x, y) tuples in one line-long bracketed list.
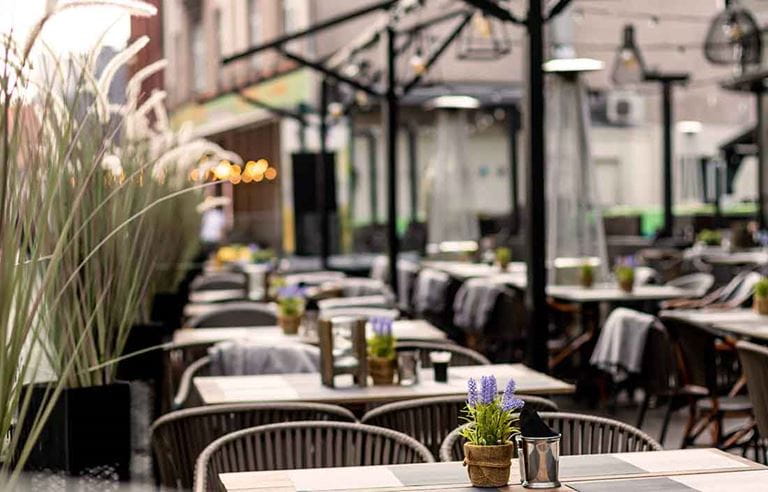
[(733, 38), (486, 39), (628, 67)]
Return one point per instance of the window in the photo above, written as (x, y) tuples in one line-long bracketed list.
[(197, 61), (254, 28), (289, 16)]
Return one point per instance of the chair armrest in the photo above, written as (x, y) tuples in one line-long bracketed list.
[(185, 385)]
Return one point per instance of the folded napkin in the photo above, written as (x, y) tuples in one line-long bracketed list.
[(531, 425)]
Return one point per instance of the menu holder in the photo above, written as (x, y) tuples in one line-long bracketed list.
[(343, 356)]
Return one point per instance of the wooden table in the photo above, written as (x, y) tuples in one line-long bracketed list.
[(307, 387), (739, 323), (402, 329), (702, 470)]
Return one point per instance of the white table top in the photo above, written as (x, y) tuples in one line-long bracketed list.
[(464, 270), (216, 295), (611, 293), (673, 470), (307, 387), (193, 310), (740, 323), (402, 329), (358, 301)]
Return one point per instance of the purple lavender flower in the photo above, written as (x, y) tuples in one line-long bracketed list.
[(290, 291), (488, 389), (509, 401), (378, 328), (472, 396), (386, 326)]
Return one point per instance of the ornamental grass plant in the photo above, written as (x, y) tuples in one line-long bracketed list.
[(95, 201)]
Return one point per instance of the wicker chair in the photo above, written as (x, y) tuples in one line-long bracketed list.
[(236, 314), (299, 445), (707, 370), (460, 356), (179, 437), (582, 434), (219, 281), (430, 420), (754, 362)]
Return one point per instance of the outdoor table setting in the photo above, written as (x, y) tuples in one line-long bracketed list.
[(673, 470), (590, 298), (308, 387)]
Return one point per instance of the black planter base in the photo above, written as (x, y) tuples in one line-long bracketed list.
[(87, 435)]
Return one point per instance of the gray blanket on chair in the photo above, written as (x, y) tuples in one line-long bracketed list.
[(474, 304), (241, 358), (619, 349)]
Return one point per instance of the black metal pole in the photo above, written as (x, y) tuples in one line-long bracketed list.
[(391, 126), (321, 175), (666, 109), (513, 126), (413, 170), (373, 167), (760, 140), (535, 296)]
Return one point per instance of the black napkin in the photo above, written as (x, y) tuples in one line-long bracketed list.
[(531, 425)]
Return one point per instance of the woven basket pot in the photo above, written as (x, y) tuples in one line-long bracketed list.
[(627, 286), (289, 324), (760, 305), (488, 466), (382, 370), (586, 280)]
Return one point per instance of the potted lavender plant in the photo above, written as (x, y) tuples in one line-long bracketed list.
[(493, 420), (760, 297), (290, 308), (382, 358), (625, 277), (503, 258)]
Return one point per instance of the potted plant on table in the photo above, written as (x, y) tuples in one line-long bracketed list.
[(503, 257), (382, 357), (625, 277), (493, 421), (760, 297), (586, 275), (709, 237), (290, 308)]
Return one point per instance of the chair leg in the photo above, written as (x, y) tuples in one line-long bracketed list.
[(643, 409), (665, 422), (689, 426)]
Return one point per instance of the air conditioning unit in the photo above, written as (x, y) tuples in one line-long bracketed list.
[(625, 108)]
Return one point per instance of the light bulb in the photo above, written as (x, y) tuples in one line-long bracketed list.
[(418, 65)]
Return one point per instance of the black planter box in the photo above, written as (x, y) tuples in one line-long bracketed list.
[(88, 434), (147, 366), (168, 308)]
